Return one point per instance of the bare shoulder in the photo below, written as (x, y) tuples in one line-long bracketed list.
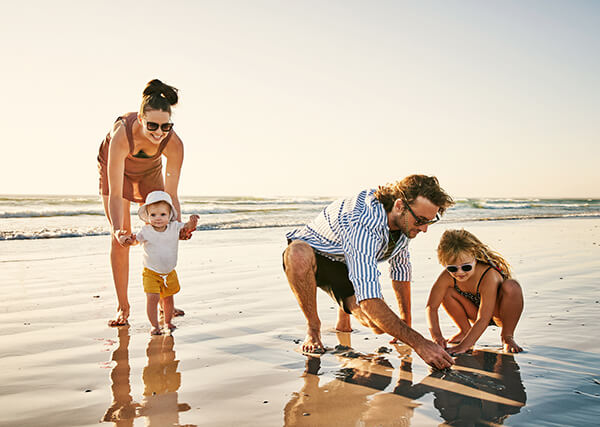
[(444, 280), (491, 279), (174, 147)]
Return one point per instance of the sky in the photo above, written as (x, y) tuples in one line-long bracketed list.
[(311, 98)]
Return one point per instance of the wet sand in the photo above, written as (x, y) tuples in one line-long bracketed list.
[(233, 359)]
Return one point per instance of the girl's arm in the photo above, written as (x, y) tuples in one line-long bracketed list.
[(488, 291), (436, 296), (117, 152), (174, 154)]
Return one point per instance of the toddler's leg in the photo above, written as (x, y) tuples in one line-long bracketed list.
[(460, 311), (152, 311), (168, 305), (510, 307)]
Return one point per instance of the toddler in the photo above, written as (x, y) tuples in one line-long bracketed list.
[(160, 239)]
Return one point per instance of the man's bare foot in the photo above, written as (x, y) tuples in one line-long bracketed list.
[(312, 342), (155, 331), (510, 346), (456, 339), (171, 327), (121, 319), (343, 322)]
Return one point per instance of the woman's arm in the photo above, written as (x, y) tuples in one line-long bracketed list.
[(488, 290), (174, 154), (436, 296), (117, 152)]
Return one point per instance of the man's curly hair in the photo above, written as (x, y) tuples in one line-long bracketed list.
[(411, 187)]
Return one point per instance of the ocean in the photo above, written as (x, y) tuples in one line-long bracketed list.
[(55, 217)]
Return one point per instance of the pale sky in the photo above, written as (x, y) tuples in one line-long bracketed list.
[(497, 99)]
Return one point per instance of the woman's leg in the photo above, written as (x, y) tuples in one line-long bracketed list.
[(460, 310), (119, 262), (508, 311)]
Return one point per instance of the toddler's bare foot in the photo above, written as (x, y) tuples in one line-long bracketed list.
[(456, 339), (155, 331), (510, 346), (171, 327)]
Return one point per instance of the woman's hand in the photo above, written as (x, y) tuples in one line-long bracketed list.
[(123, 238)]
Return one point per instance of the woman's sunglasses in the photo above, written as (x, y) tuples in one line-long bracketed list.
[(464, 267), (165, 127)]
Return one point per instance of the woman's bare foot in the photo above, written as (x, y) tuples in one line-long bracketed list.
[(121, 319), (312, 342), (510, 346), (155, 331), (456, 339)]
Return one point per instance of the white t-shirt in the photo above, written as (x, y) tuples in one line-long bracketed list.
[(160, 247)]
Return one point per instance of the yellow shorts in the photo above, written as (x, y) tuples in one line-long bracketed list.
[(163, 284)]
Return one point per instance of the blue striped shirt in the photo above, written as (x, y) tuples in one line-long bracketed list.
[(357, 229)]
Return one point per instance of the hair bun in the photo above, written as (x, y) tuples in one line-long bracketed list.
[(156, 88)]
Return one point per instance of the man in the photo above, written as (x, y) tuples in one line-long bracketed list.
[(339, 251)]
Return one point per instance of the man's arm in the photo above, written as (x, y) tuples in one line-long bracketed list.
[(386, 320), (402, 291)]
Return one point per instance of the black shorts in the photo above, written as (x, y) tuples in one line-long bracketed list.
[(332, 277)]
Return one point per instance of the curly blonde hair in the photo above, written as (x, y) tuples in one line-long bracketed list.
[(411, 187), (453, 243)]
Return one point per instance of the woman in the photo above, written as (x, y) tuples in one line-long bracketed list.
[(130, 166)]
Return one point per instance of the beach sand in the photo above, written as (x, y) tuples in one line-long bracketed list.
[(234, 358)]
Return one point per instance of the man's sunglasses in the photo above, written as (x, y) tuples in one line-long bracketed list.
[(464, 267), (165, 127), (419, 220)]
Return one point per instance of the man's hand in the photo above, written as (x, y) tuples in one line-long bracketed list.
[(433, 354)]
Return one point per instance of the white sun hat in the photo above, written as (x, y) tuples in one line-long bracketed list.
[(154, 197)]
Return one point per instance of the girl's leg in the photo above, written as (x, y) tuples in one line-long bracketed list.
[(508, 310), (152, 311), (460, 310), (119, 262), (168, 305)]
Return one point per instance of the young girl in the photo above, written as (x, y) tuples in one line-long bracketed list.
[(476, 286)]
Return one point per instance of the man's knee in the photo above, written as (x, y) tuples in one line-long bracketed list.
[(299, 257)]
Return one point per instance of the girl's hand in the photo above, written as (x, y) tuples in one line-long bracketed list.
[(456, 350), (441, 341)]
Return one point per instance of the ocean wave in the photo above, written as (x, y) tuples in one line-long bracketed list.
[(253, 223), (50, 213)]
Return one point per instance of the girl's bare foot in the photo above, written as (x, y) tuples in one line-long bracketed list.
[(155, 331), (456, 339), (510, 346)]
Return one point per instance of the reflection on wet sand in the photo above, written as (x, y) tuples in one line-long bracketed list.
[(482, 388), (160, 406)]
